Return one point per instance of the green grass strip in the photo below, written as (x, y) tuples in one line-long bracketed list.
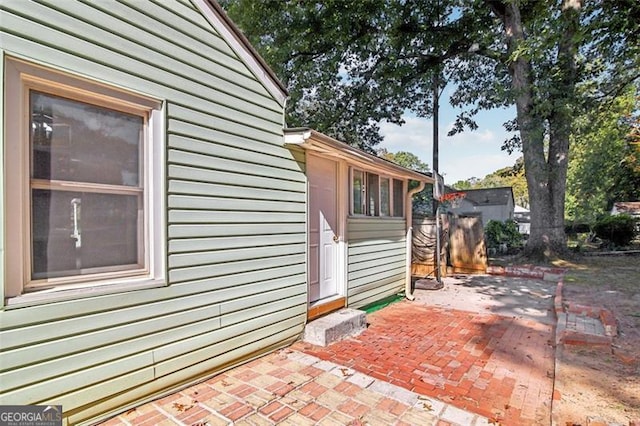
[(379, 304)]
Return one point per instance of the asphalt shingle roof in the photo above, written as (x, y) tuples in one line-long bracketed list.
[(489, 196)]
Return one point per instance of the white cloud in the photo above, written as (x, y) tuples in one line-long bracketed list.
[(463, 168), (465, 155), (414, 136), (485, 135)]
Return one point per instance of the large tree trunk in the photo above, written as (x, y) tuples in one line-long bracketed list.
[(545, 173)]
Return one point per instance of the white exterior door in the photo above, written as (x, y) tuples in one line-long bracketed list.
[(323, 228)]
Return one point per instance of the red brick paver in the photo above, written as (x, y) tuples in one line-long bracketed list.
[(318, 393), (414, 365), (499, 367)]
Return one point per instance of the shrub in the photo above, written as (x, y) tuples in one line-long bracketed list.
[(617, 229), (574, 228), (497, 233)]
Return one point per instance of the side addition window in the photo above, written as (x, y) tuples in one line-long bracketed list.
[(358, 192), (376, 195), (398, 198)]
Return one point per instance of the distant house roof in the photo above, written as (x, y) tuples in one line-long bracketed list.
[(489, 196), (627, 207)]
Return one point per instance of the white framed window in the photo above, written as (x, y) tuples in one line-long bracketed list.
[(84, 182), (358, 192), (373, 194), (385, 196)]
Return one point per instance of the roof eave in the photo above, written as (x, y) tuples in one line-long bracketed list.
[(218, 18), (313, 140)]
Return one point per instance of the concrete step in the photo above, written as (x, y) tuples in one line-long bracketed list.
[(335, 326)]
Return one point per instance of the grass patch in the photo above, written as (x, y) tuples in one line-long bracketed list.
[(377, 305), (617, 273)]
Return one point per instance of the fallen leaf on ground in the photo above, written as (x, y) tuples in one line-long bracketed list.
[(346, 372), (181, 408)]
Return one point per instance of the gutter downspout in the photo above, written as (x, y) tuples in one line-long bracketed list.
[(409, 242)]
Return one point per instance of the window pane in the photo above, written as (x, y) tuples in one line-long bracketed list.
[(75, 232), (358, 190), (398, 198), (385, 202), (373, 194), (76, 141)]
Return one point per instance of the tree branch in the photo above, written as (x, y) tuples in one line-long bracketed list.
[(497, 7), (492, 54), (619, 88)]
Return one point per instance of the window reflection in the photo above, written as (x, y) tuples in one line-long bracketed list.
[(385, 193), (76, 141), (358, 192), (84, 228), (376, 195)]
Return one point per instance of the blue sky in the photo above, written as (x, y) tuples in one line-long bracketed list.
[(465, 155)]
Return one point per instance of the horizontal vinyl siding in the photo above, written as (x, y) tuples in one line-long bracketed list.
[(271, 337), (236, 214), (376, 259)]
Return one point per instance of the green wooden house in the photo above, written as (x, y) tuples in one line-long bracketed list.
[(159, 224)]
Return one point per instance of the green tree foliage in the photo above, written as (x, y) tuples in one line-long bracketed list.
[(507, 176), (404, 159), (351, 64), (604, 166), (627, 186), (497, 233), (422, 201), (464, 184)]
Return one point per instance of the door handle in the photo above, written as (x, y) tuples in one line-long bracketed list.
[(335, 238)]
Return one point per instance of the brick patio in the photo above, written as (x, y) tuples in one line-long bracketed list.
[(414, 365), (292, 388), (496, 366), (417, 363)]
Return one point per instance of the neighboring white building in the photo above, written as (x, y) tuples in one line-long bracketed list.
[(632, 208), (523, 217)]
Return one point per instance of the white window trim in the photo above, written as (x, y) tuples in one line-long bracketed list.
[(19, 75), (365, 194)]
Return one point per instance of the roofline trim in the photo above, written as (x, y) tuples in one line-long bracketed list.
[(315, 141), (218, 18)]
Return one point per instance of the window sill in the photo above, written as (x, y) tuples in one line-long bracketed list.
[(362, 216), (62, 294)]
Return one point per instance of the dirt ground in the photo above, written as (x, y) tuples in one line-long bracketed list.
[(602, 383)]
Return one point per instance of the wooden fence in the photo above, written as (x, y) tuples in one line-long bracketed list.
[(467, 250), (462, 246)]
